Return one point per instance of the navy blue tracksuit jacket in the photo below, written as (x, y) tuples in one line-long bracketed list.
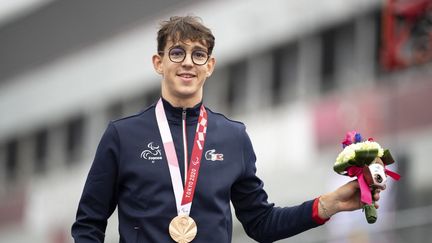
[(130, 172)]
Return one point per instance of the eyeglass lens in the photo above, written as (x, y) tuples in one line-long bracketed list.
[(177, 54)]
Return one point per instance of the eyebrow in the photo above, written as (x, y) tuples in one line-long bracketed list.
[(195, 48)]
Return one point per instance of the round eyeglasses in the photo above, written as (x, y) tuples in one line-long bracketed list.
[(178, 54)]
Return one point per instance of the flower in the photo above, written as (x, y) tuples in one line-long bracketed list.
[(352, 161), (350, 138), (346, 155), (352, 143)]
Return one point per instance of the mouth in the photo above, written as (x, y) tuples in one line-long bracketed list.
[(186, 76)]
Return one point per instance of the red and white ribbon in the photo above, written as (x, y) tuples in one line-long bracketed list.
[(183, 196)]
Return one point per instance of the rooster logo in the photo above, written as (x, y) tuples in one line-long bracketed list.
[(211, 155)]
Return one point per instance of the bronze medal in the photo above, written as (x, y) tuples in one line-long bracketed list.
[(182, 229)]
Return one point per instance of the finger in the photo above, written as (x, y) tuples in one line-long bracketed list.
[(354, 184), (377, 192), (376, 195), (376, 205)]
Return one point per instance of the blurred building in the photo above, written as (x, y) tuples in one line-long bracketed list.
[(298, 73)]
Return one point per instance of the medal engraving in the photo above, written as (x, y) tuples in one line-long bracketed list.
[(182, 229)]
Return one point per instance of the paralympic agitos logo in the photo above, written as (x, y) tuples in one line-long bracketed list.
[(153, 153)]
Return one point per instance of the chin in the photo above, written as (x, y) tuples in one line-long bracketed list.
[(187, 91), (185, 94)]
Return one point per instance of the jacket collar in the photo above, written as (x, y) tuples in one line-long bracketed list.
[(175, 114)]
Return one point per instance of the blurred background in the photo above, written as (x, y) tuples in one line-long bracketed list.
[(299, 74)]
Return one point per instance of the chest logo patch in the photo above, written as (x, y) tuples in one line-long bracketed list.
[(213, 156), (153, 153)]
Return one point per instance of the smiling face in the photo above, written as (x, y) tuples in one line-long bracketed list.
[(182, 82)]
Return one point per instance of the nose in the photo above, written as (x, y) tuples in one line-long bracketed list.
[(188, 60)]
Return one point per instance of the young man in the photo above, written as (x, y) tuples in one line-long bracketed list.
[(173, 169)]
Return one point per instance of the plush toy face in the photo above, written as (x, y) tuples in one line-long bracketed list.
[(375, 175)]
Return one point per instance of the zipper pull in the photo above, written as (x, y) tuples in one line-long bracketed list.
[(184, 114)]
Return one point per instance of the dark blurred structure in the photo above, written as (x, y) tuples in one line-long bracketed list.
[(406, 34)]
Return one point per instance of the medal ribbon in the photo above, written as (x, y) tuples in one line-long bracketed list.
[(183, 196)]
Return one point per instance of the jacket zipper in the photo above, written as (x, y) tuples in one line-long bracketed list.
[(185, 150)]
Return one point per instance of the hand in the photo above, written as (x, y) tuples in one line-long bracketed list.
[(345, 198)]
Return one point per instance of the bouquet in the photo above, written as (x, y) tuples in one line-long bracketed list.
[(366, 160)]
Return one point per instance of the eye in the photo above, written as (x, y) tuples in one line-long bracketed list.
[(177, 52), (200, 54)]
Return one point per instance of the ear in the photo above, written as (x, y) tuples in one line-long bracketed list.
[(157, 64), (210, 66)]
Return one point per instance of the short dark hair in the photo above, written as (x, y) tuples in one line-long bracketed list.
[(184, 28)]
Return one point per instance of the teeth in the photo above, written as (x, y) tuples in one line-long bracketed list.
[(186, 75)]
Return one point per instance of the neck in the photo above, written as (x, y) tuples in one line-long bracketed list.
[(182, 102)]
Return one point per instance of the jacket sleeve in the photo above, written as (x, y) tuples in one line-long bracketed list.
[(261, 220), (99, 197)]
